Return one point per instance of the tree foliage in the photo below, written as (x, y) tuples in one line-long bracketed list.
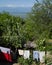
[(40, 21), (37, 26), (11, 30)]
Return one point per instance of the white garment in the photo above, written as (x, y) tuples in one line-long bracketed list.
[(26, 54), (5, 50), (42, 56), (20, 52)]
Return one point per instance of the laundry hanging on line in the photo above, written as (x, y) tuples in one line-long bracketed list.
[(26, 54), (35, 55), (42, 56), (21, 52)]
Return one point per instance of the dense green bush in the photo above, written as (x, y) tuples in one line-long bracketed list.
[(23, 61)]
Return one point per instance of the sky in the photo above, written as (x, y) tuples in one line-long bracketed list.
[(16, 3)]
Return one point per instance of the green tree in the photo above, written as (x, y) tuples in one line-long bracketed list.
[(11, 30), (41, 17)]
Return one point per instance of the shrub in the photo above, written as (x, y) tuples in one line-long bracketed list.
[(23, 61)]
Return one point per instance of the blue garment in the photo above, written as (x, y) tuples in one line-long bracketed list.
[(35, 55)]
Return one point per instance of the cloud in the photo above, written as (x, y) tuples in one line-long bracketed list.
[(19, 5), (11, 5)]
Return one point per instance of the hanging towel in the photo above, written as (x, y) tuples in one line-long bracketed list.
[(42, 56), (20, 52), (26, 54)]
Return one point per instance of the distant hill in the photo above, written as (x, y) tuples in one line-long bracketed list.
[(18, 11)]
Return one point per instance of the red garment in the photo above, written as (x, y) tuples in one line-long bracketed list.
[(5, 54)]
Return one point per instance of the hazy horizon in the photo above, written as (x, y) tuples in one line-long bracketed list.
[(17, 11)]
